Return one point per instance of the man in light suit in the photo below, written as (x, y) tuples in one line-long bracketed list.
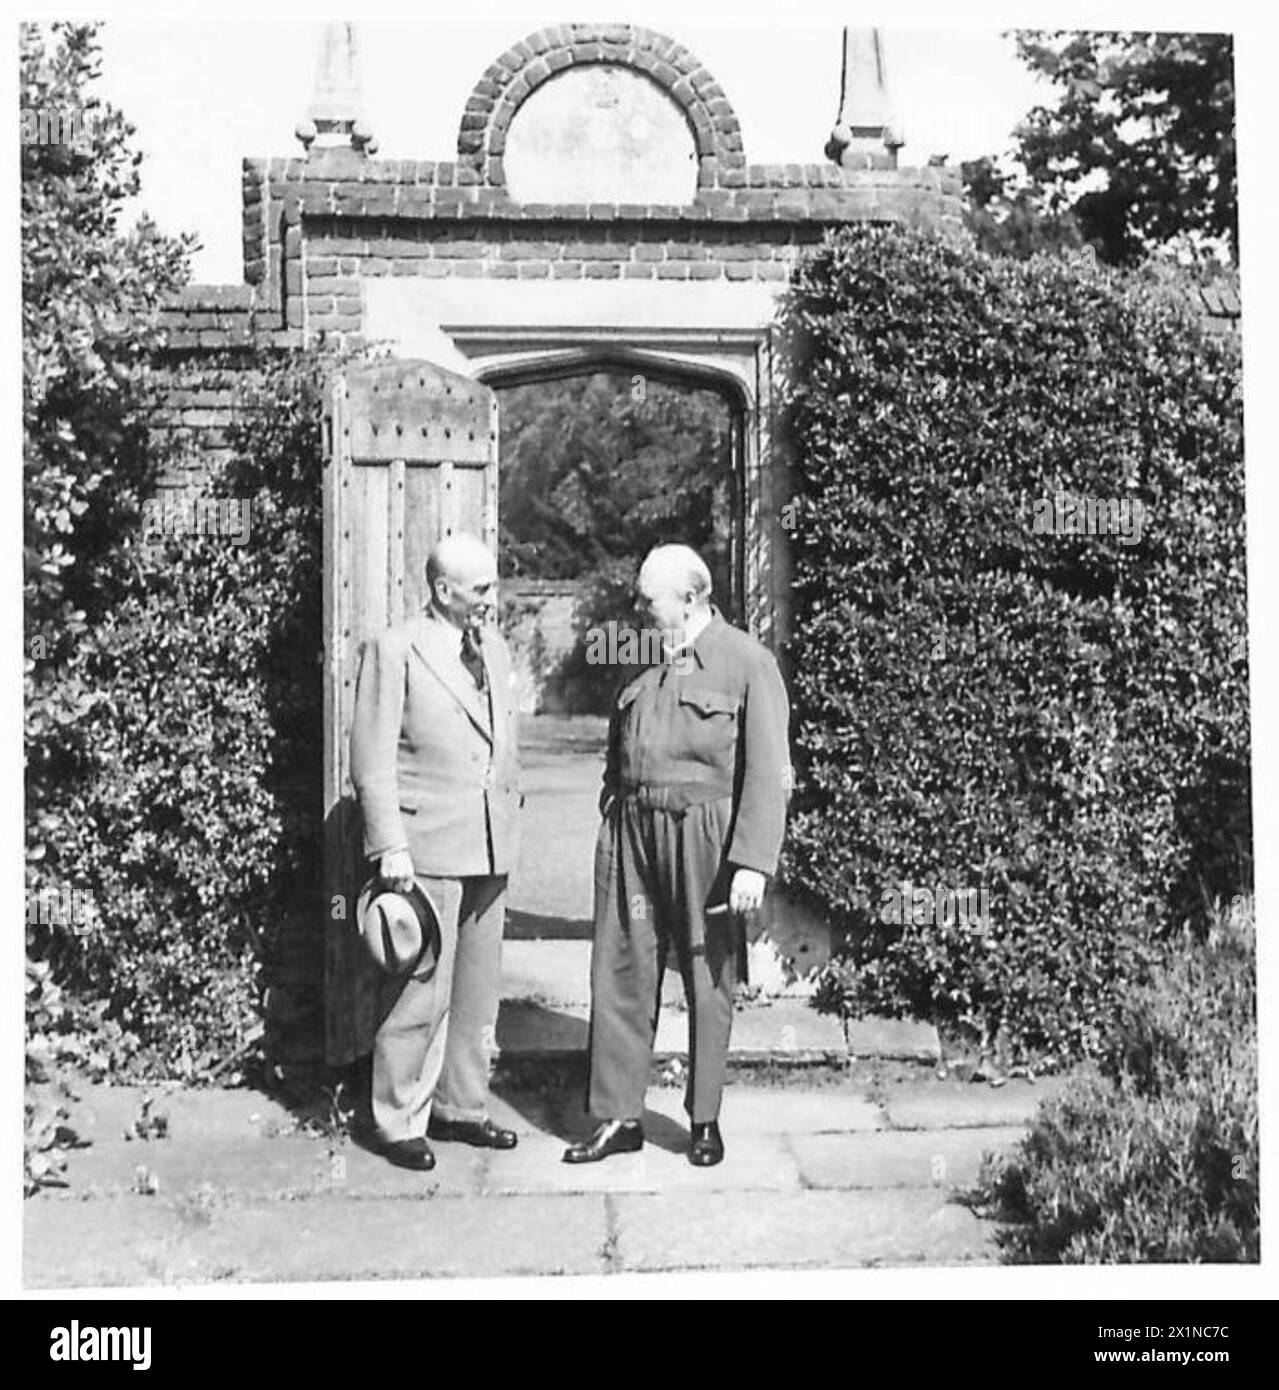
[(434, 763)]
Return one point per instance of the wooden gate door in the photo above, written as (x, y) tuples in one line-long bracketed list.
[(410, 457)]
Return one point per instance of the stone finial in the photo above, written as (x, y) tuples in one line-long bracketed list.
[(867, 133), (334, 118)]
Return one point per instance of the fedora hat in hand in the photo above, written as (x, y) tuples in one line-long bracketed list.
[(399, 929)]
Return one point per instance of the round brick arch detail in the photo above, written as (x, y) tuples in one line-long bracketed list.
[(509, 81)]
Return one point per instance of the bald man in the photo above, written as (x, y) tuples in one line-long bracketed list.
[(434, 763), (694, 808)]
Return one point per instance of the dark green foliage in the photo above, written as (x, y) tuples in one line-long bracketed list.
[(1046, 717), (91, 295), (191, 810), (1155, 1155)]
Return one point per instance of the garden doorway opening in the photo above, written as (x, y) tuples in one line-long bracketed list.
[(597, 464)]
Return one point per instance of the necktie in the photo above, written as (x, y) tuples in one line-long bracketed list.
[(471, 657)]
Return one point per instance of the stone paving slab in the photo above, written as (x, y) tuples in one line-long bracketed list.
[(132, 1240), (259, 1160), (459, 1237), (781, 1030), (753, 1110), (541, 1015), (915, 1158), (250, 1165), (387, 1238), (953, 1103), (892, 1037), (764, 1164), (782, 1027), (356, 1173), (741, 1230), (839, 1144), (559, 973), (297, 1166), (105, 1112)]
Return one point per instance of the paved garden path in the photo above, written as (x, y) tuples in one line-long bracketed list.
[(853, 1170)]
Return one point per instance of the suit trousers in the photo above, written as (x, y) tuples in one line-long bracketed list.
[(656, 874), (438, 1023)]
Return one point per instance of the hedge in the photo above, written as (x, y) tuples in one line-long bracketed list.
[(1059, 721), (190, 811)]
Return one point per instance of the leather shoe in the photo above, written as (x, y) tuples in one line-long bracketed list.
[(707, 1148), (612, 1137), (405, 1153), (480, 1134)]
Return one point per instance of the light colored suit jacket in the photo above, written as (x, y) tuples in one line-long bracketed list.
[(434, 773)]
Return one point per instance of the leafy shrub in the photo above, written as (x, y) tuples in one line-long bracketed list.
[(1152, 1156), (47, 1131), (1059, 720), (91, 298), (191, 806)]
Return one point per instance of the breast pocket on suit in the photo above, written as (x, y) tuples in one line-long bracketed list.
[(708, 725)]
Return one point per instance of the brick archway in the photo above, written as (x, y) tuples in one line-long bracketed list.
[(509, 81)]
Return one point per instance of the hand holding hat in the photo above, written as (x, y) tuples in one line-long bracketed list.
[(399, 929), (396, 870)]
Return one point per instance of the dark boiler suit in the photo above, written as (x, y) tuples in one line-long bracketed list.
[(695, 786)]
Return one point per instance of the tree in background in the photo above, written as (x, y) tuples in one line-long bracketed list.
[(1137, 153), (1008, 216), (595, 471), (601, 468)]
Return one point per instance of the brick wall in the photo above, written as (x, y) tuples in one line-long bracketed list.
[(315, 228), (387, 213), (199, 396)]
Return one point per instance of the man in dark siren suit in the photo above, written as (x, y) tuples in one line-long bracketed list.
[(694, 807)]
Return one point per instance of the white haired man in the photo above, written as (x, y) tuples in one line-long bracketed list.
[(696, 783), (434, 763)]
